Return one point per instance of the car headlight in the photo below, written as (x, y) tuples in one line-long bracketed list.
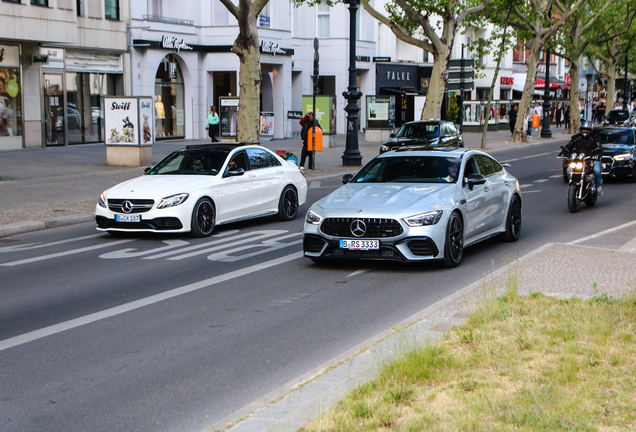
[(621, 157), (424, 219), (313, 218), (102, 201), (173, 200)]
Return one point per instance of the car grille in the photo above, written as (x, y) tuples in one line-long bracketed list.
[(375, 228), (138, 205), (425, 247), (607, 162), (313, 243)]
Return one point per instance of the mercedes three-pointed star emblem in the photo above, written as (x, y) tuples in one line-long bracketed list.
[(358, 228), (126, 206)]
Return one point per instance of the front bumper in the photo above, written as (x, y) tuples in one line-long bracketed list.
[(169, 220), (617, 168)]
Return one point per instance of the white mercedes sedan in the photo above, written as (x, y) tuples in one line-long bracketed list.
[(415, 204), (196, 188)]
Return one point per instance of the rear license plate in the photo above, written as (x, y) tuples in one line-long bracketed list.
[(359, 244), (128, 218)]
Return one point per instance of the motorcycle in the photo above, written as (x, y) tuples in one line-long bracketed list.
[(581, 185)]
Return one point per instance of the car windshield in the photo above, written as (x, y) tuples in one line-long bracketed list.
[(191, 162), (419, 130), (410, 169), (617, 115), (617, 136)]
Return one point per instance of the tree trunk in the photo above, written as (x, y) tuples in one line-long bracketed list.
[(492, 85), (575, 97), (246, 48), (611, 85), (521, 127), (436, 87)]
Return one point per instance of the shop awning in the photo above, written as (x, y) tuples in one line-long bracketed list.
[(541, 84)]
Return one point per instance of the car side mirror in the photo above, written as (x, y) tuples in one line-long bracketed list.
[(347, 178), (147, 169), (392, 135), (474, 180), (506, 165), (236, 172)]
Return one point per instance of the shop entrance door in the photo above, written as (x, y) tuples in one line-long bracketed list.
[(54, 116)]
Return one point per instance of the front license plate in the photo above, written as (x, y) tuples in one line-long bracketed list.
[(359, 244), (128, 218)]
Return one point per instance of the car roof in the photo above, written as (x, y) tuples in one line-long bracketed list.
[(430, 121), (224, 146), (431, 151)]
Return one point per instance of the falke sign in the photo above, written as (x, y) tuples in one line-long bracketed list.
[(507, 80), (171, 42)]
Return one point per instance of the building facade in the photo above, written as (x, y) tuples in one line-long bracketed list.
[(59, 58)]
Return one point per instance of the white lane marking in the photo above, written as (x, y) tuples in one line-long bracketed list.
[(540, 181), (525, 185), (65, 253), (557, 176), (118, 310), (264, 247), (527, 157), (314, 185), (251, 236), (128, 252), (28, 246), (358, 272), (607, 231), (532, 191)]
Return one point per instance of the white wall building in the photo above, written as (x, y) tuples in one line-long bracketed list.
[(56, 65)]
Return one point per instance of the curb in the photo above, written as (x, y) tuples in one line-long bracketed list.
[(28, 226)]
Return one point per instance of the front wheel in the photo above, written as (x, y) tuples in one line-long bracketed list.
[(288, 204), (513, 221), (454, 244), (573, 201), (203, 218), (591, 197)]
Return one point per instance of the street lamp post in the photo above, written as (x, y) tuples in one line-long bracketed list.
[(352, 156), (625, 98), (545, 130), (461, 92)]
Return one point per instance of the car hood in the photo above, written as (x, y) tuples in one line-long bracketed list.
[(159, 186), (411, 141), (611, 149), (391, 197)]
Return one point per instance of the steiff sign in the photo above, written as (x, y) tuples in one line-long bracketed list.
[(40, 59)]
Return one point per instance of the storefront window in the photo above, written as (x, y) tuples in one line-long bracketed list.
[(10, 101), (169, 99), (85, 92)]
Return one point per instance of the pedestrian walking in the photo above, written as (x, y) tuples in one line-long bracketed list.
[(212, 124), (601, 112), (566, 117), (558, 114), (307, 123), (512, 118)]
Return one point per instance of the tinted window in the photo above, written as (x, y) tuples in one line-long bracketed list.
[(262, 159), (200, 162), (409, 169), (487, 165), (620, 136), (618, 115), (419, 130)]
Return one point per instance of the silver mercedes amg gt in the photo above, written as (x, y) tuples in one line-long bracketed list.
[(415, 204)]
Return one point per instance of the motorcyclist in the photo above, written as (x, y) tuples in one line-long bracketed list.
[(586, 142)]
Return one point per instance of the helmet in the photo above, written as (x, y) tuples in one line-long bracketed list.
[(586, 128)]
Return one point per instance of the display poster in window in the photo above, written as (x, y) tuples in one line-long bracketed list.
[(121, 121), (228, 116), (146, 120), (267, 124), (326, 112), (380, 112)]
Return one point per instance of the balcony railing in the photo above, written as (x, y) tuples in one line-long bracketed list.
[(167, 20)]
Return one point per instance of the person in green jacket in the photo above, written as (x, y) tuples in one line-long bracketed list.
[(212, 124)]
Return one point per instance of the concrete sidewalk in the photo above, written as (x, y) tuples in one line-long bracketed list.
[(55, 186)]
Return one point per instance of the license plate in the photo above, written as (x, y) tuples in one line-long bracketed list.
[(359, 244), (128, 218)]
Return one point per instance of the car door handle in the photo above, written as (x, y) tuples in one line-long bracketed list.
[(507, 183), (251, 176), (279, 173), (486, 188)]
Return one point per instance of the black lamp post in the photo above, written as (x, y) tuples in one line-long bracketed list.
[(352, 156), (625, 98), (545, 130), (461, 92)]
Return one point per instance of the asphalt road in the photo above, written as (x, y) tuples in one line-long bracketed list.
[(168, 333)]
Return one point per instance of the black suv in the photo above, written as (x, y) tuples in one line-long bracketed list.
[(620, 117), (436, 133)]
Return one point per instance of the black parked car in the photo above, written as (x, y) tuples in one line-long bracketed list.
[(620, 117), (435, 133)]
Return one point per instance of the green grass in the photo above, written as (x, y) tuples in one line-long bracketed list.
[(531, 363)]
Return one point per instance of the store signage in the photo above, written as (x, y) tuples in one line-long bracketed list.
[(363, 58), (507, 80), (40, 59), (171, 42), (381, 59), (295, 115), (398, 76), (269, 47)]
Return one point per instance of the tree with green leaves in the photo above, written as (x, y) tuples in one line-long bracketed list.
[(453, 109), (246, 47), (416, 22), (593, 22), (535, 22)]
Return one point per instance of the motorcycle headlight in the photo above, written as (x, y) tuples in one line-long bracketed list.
[(173, 200), (424, 219), (579, 165), (102, 201), (572, 165), (622, 157), (313, 218)]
